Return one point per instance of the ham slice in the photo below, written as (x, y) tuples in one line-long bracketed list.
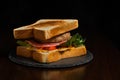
[(40, 45)]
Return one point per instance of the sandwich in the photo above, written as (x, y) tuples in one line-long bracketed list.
[(49, 40)]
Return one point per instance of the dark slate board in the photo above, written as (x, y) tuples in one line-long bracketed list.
[(64, 63)]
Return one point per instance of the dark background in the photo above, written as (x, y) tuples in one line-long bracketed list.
[(100, 16)]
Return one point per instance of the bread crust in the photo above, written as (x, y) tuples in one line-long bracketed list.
[(54, 28), (50, 56), (23, 33), (24, 51), (45, 28)]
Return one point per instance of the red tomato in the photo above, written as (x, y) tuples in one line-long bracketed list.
[(50, 48)]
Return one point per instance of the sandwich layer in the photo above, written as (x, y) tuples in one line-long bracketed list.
[(59, 38), (46, 56), (45, 29)]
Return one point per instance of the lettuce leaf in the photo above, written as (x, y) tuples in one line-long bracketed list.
[(23, 43)]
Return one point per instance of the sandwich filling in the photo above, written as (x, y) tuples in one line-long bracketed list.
[(61, 42)]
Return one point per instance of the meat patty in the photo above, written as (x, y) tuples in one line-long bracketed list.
[(65, 36)]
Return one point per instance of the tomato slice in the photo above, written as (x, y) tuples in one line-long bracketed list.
[(50, 48)]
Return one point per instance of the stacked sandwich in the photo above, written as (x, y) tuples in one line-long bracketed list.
[(49, 40)]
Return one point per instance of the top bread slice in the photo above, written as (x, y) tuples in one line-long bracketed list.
[(45, 28)]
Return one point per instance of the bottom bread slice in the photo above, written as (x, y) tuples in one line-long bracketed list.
[(51, 56)]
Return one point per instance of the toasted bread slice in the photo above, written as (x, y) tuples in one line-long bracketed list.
[(51, 56), (24, 51), (45, 28), (23, 32)]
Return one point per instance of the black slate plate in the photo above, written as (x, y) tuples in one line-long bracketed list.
[(64, 63)]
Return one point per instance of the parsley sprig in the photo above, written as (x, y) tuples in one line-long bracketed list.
[(76, 40)]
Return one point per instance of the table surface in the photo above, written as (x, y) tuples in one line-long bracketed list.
[(104, 66)]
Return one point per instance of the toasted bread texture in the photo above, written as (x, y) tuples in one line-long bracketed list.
[(23, 51), (45, 28), (50, 56)]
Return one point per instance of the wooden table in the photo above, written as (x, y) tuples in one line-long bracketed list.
[(104, 66)]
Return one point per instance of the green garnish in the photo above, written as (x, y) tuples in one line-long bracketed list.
[(76, 40), (23, 43)]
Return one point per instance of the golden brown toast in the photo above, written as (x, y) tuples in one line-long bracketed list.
[(50, 56), (45, 28)]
